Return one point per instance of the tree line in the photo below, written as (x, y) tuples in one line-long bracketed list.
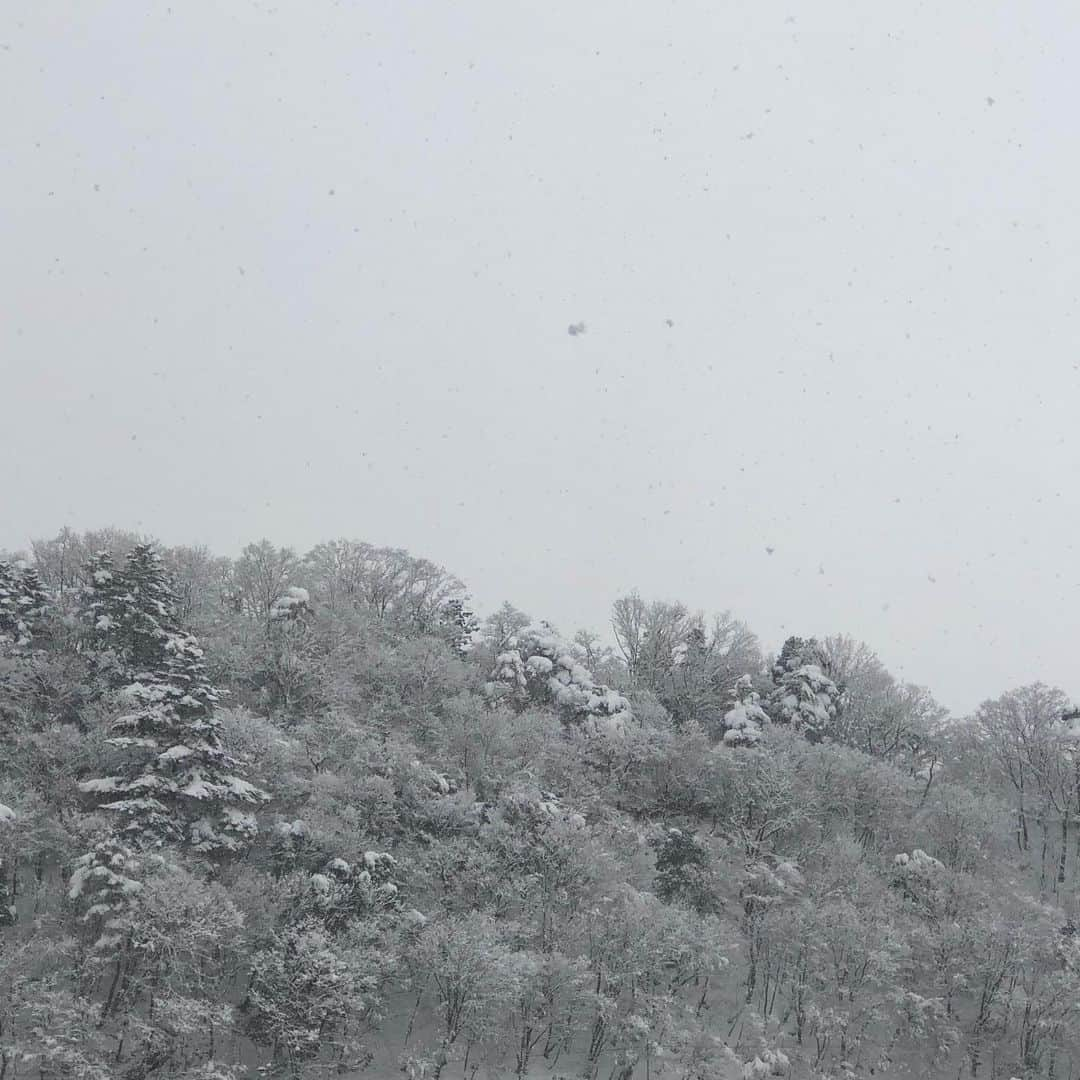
[(302, 814)]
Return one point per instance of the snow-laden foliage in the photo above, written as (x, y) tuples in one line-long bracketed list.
[(683, 870), (746, 719), (769, 882), (919, 876), (7, 908), (102, 605), (768, 1063), (294, 603), (103, 886), (703, 895), (458, 625), (918, 860), (307, 994), (173, 780), (22, 603), (388, 583), (342, 891), (538, 666), (803, 695)]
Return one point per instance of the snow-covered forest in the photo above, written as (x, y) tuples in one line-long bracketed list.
[(306, 814)]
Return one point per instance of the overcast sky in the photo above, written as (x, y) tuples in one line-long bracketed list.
[(305, 269)]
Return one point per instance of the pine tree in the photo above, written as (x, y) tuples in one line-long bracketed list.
[(536, 666), (149, 606), (803, 695), (103, 885), (102, 607), (174, 781), (22, 603), (746, 719), (682, 870), (458, 625)]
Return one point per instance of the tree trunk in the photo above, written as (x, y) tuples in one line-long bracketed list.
[(1064, 846)]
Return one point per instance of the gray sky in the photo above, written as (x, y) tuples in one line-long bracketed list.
[(305, 269)]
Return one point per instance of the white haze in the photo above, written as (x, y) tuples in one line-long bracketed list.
[(307, 269)]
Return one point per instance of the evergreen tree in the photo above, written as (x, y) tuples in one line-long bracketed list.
[(102, 608), (149, 606), (458, 625), (173, 781), (22, 603), (745, 720), (803, 695), (682, 870), (103, 886)]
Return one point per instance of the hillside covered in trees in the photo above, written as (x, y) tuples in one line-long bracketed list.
[(294, 815)]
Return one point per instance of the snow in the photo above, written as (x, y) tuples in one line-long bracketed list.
[(768, 1063), (917, 860), (140, 692), (293, 599), (123, 742), (132, 805), (539, 659), (175, 753), (241, 789), (105, 785), (539, 665)]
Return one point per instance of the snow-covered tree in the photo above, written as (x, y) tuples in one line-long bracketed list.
[(103, 887), (260, 576), (63, 559), (538, 666), (683, 871), (101, 603), (916, 874), (690, 664), (7, 908), (294, 604), (745, 720), (875, 712), (309, 995), (148, 607), (502, 625), (22, 602), (458, 625), (343, 891), (395, 587), (173, 781), (469, 964), (803, 695)]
